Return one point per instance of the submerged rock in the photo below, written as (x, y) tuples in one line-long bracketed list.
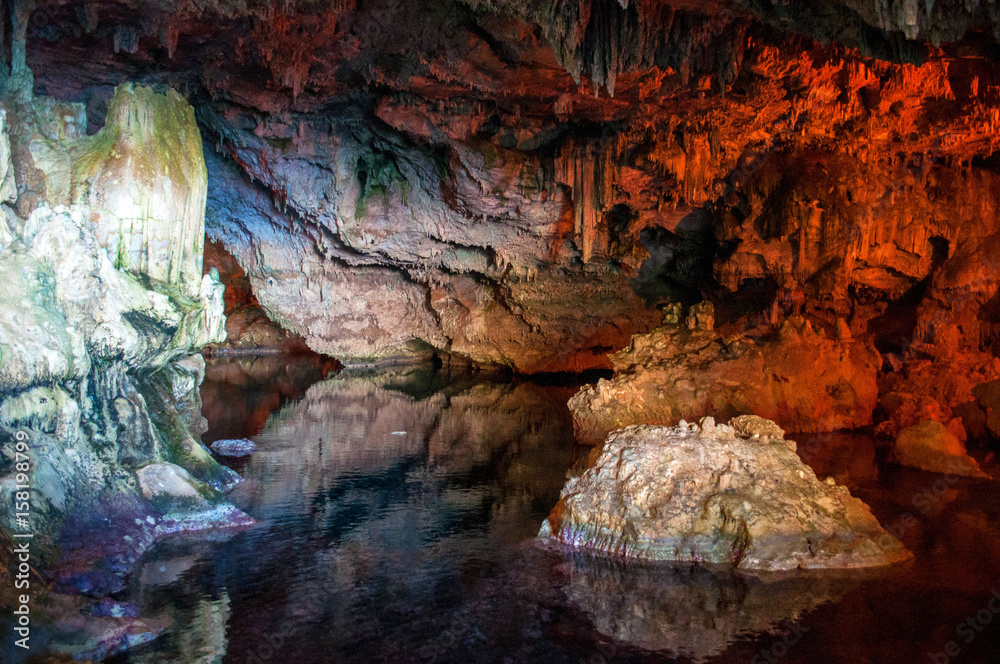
[(930, 446), (234, 447), (734, 494)]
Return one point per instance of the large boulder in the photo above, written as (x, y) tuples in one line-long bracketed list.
[(732, 494), (799, 377), (930, 446)]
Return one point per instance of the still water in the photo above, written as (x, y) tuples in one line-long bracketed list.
[(397, 512)]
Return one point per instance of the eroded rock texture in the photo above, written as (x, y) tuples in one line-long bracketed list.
[(733, 494), (518, 182), (796, 376), (97, 380)]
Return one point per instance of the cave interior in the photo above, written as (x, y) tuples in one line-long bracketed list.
[(654, 211)]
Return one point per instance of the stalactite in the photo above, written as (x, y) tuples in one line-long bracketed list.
[(126, 39), (590, 169), (86, 14), (20, 14), (169, 34)]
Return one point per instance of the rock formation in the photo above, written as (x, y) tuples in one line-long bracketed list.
[(741, 206), (520, 183), (930, 446), (234, 447), (733, 494), (249, 331), (96, 372), (798, 377)]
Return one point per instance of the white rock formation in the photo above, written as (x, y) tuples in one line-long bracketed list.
[(733, 494), (142, 176), (95, 359), (8, 185)]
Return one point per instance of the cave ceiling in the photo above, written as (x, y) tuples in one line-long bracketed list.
[(525, 62), (831, 146)]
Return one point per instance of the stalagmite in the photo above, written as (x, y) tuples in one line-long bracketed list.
[(156, 226)]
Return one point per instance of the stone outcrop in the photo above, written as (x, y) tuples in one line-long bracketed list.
[(733, 494), (487, 281), (930, 446), (97, 374), (184, 502), (988, 398), (797, 376), (249, 330), (142, 176)]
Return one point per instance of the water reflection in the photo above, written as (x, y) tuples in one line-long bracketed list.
[(691, 612), (397, 515), (381, 498), (240, 393)]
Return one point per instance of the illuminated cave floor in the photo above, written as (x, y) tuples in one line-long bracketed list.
[(396, 522)]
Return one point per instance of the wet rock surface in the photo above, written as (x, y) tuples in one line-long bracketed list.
[(249, 330), (98, 384), (234, 447), (732, 494), (930, 446)]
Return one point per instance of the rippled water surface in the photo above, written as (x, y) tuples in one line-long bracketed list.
[(396, 515)]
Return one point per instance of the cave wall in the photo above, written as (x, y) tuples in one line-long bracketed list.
[(525, 183), (98, 381)]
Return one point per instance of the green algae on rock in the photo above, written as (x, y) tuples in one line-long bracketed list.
[(142, 176), (95, 353), (732, 494), (147, 169)]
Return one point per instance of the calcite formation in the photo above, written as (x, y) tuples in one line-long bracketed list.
[(249, 330), (797, 376), (142, 176), (145, 168), (733, 494), (8, 185), (95, 354), (471, 166)]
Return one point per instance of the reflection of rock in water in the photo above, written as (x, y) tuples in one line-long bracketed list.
[(169, 586), (377, 510), (240, 393), (689, 611), (341, 443), (370, 538)]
